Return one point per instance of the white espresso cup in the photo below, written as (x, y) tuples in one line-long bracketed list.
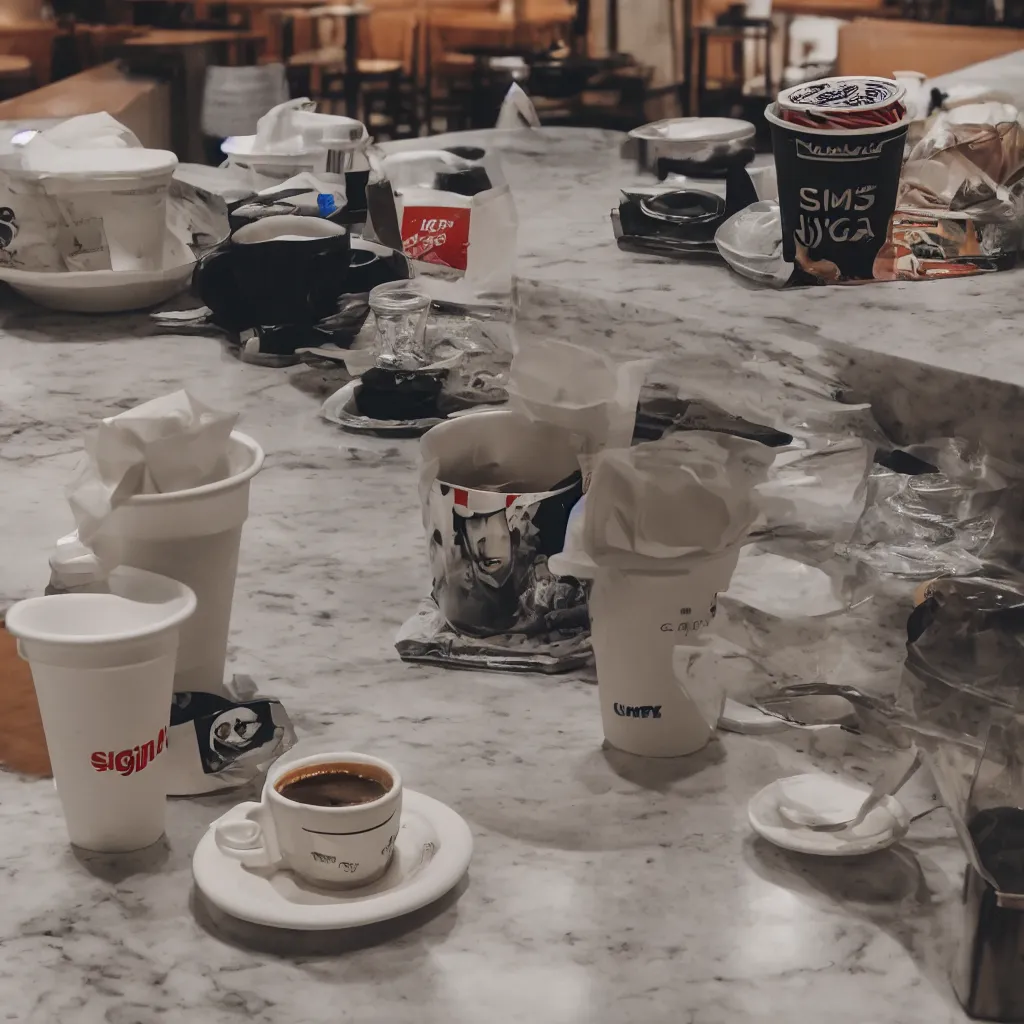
[(338, 846)]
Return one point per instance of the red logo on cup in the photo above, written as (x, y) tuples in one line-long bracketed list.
[(437, 234), (130, 760)]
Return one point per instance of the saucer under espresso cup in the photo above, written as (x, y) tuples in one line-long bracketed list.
[(279, 270), (330, 818), (431, 854)]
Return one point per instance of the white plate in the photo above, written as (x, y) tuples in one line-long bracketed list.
[(99, 291), (340, 408), (769, 823), (432, 853)]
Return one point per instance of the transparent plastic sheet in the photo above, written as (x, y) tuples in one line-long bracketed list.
[(961, 518)]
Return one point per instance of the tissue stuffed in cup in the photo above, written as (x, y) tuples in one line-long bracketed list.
[(845, 102)]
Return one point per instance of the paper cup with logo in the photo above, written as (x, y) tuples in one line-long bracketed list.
[(193, 536), (341, 847), (636, 621), (103, 669), (837, 193), (497, 489)]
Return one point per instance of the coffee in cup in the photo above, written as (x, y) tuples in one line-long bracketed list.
[(331, 819), (332, 785)]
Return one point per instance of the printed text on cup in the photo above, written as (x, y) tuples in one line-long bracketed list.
[(834, 215), (131, 759)]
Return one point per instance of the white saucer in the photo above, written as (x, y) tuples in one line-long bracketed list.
[(340, 408), (100, 291), (432, 853), (885, 825)]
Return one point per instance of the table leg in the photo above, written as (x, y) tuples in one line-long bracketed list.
[(352, 65)]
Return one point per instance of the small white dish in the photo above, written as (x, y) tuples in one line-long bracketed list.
[(106, 291), (432, 853), (341, 408), (885, 825)]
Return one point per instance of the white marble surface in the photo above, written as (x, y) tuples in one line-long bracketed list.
[(567, 181), (603, 890)]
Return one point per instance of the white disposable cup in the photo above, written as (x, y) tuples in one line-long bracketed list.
[(636, 620), (193, 536), (103, 668), (341, 847), (116, 196)]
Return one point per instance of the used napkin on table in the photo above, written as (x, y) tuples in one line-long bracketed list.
[(169, 444)]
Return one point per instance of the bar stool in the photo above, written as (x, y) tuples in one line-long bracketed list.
[(334, 58)]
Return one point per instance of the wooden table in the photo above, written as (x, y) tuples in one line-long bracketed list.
[(141, 104), (230, 42)]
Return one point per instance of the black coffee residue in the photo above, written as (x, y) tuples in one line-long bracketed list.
[(333, 789)]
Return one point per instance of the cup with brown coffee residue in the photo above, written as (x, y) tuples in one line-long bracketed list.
[(332, 819)]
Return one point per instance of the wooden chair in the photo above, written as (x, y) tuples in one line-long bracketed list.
[(381, 86)]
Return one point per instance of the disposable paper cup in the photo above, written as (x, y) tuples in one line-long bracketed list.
[(837, 193), (193, 537), (114, 199), (103, 668), (636, 620), (493, 516)]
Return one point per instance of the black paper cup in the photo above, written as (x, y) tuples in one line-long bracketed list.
[(837, 192)]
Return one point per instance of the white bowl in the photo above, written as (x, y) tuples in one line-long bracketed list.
[(99, 291)]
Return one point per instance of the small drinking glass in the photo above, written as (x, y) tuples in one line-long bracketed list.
[(401, 309)]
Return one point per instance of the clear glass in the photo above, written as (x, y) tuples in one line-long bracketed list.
[(401, 309)]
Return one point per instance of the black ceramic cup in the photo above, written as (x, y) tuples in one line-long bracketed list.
[(276, 271), (837, 193)]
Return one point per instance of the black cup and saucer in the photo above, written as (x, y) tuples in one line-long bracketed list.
[(281, 282)]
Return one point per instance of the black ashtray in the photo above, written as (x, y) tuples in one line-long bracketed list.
[(399, 394)]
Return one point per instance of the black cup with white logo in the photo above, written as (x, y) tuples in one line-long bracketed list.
[(837, 192)]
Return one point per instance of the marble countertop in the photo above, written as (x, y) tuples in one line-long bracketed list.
[(603, 889), (567, 181)]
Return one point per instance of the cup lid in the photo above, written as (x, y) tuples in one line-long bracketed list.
[(97, 163), (843, 92)]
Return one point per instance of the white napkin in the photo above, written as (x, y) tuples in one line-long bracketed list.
[(169, 444), (276, 130), (517, 110), (661, 505), (89, 131), (578, 389)]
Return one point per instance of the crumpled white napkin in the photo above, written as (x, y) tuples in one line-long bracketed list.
[(517, 110), (577, 389), (662, 506), (169, 444)]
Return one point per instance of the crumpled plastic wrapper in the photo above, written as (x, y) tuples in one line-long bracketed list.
[(581, 390), (961, 514), (970, 162), (217, 742)]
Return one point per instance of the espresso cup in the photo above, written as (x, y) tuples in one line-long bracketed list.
[(277, 271), (336, 846)]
